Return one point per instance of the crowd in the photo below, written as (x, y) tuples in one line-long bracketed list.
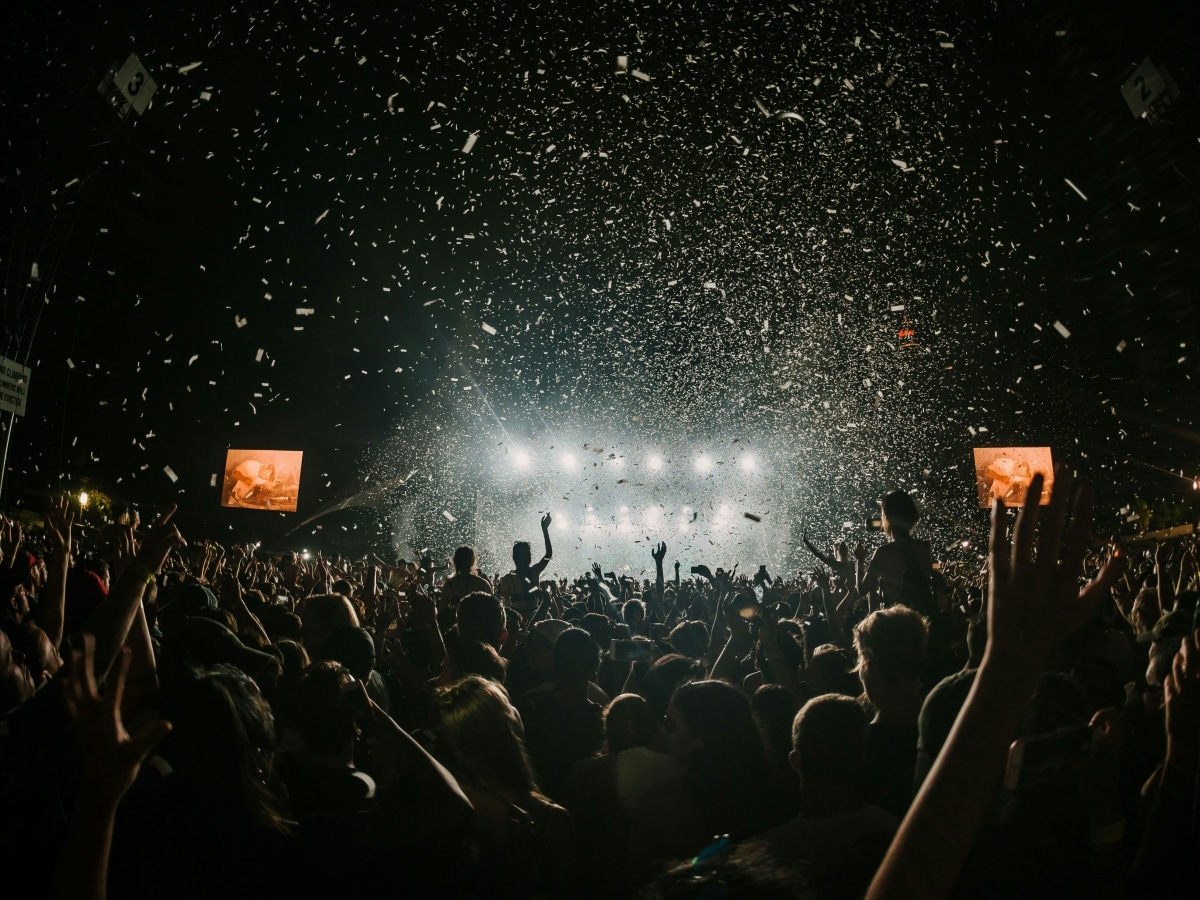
[(189, 720)]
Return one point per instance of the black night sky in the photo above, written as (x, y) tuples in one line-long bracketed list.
[(426, 240)]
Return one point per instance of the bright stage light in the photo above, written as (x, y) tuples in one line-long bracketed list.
[(747, 463), (624, 510), (704, 464), (569, 462), (521, 459), (83, 498), (655, 462), (653, 516)]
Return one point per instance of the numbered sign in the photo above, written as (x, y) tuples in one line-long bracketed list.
[(14, 386), (1149, 91), (130, 88)]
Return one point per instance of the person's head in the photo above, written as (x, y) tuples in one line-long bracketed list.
[(628, 722), (221, 749), (464, 560), (539, 646), (354, 648), (831, 671), (891, 650), (480, 617), (16, 682), (321, 712), (320, 616), (829, 741), (774, 708), (41, 656), (690, 639), (900, 513), (522, 554), (598, 626), (481, 728), (576, 657), (634, 613), (710, 731), (665, 675)]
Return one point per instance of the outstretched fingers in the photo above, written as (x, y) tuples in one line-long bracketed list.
[(1022, 543)]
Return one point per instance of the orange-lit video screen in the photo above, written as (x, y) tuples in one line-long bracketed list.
[(1004, 473), (262, 479)]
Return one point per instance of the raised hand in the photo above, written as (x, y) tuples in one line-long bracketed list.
[(546, 520), (660, 553), (59, 519), (1181, 696), (111, 758), (1034, 599), (162, 538)]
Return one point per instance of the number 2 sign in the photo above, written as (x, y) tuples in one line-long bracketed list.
[(1149, 91)]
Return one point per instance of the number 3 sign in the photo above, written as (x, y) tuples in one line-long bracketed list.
[(1149, 91), (130, 88)]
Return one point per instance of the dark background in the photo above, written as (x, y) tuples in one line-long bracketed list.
[(552, 232)]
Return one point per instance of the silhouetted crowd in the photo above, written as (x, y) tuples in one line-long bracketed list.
[(190, 720)]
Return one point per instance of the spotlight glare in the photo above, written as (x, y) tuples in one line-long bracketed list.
[(521, 459), (569, 462), (83, 498), (655, 462), (704, 464), (747, 463)]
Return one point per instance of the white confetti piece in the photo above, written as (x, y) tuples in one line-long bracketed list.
[(1121, 346), (1061, 329), (488, 328), (70, 363), (320, 217), (304, 311), (449, 518), (640, 75), (171, 473), (183, 70), (471, 139), (212, 482), (1071, 185)]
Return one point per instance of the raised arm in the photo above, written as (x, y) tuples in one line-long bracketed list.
[(59, 519), (1035, 603), (112, 619)]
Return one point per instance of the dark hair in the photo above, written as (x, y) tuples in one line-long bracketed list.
[(575, 655), (480, 618), (221, 748), (477, 722), (726, 777), (774, 709), (320, 711), (522, 549), (690, 639), (901, 511), (664, 676), (830, 737), (464, 560), (353, 647), (628, 722)]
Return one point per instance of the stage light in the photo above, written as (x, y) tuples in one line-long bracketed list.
[(747, 463), (83, 499), (655, 462), (653, 516), (569, 462), (704, 464), (304, 554), (521, 459), (624, 510)]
